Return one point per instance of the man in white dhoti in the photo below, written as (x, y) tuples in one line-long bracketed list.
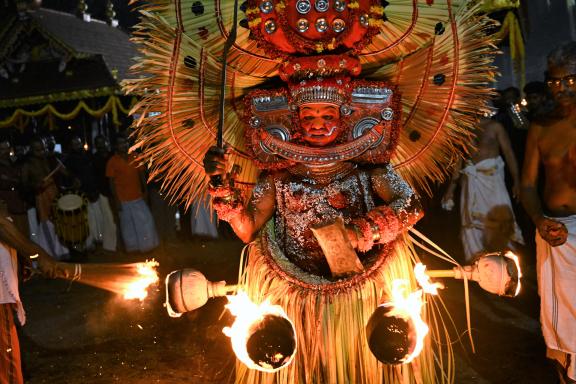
[(552, 144), (487, 218), (129, 188), (202, 221)]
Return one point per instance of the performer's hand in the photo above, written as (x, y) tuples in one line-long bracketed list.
[(448, 201), (215, 161), (50, 268), (552, 231)]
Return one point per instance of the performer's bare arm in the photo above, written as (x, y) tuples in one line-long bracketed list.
[(455, 175), (552, 231), (511, 163), (257, 212)]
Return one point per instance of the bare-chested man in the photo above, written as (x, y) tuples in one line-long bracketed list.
[(552, 145), (37, 176), (487, 218)]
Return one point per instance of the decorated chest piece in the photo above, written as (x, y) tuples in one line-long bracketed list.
[(322, 115)]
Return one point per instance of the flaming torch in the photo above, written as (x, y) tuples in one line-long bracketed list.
[(497, 273), (262, 336), (129, 280), (396, 330)]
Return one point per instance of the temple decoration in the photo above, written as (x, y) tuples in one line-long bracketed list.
[(57, 69), (510, 30)]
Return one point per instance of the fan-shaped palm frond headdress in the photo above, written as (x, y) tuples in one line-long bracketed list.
[(358, 54)]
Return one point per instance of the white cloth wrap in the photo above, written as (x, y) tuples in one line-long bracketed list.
[(556, 282), (137, 226), (483, 188), (9, 280), (200, 221), (101, 224)]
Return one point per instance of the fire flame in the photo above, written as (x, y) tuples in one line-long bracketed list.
[(147, 275), (512, 256), (424, 280), (408, 306), (247, 314)]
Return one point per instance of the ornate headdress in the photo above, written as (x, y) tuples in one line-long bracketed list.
[(433, 52)]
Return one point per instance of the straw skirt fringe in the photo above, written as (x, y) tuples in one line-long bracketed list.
[(330, 321)]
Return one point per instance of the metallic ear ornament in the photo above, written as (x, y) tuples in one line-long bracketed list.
[(345, 110)]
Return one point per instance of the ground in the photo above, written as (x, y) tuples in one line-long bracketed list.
[(78, 334)]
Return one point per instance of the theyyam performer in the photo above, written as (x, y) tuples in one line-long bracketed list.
[(333, 112)]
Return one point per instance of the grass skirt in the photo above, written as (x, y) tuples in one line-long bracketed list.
[(330, 319)]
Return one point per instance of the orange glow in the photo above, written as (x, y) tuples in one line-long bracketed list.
[(408, 306), (247, 314), (513, 257), (424, 280), (147, 275)]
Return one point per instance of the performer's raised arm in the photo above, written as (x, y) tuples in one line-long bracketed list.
[(245, 220)]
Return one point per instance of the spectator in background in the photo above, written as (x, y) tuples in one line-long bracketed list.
[(81, 166), (538, 100), (38, 178), (101, 156), (54, 160), (129, 189), (203, 221), (10, 187), (551, 146), (487, 219), (513, 119), (164, 214)]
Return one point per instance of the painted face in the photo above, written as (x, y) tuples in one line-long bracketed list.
[(320, 123), (562, 84)]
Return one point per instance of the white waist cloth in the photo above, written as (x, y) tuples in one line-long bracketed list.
[(9, 280), (556, 283), (485, 201)]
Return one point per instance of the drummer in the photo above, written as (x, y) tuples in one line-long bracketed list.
[(38, 178), (80, 163)]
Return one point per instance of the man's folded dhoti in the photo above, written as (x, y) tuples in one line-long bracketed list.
[(556, 283)]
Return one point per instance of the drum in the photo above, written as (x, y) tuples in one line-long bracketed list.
[(70, 216)]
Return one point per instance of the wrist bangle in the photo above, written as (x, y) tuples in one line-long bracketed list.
[(375, 232)]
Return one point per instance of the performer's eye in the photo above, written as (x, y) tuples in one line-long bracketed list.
[(308, 118), (328, 117)]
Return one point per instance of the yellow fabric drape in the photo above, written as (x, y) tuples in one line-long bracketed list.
[(113, 105), (511, 29), (489, 6)]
